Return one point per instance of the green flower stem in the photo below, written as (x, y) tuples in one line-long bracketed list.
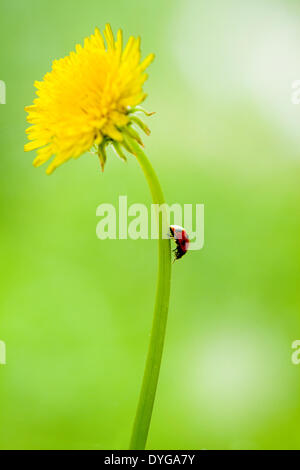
[(151, 374)]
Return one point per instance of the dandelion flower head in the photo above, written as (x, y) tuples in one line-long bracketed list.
[(88, 101)]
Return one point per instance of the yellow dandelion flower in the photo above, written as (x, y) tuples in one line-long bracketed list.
[(88, 100)]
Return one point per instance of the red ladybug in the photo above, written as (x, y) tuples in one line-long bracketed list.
[(179, 235)]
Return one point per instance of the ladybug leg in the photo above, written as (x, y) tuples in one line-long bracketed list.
[(177, 254)]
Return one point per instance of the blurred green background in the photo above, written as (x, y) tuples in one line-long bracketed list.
[(76, 311)]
